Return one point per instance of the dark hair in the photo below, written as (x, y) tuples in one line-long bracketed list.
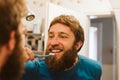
[(10, 16), (73, 24)]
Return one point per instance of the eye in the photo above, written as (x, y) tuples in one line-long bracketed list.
[(63, 36), (50, 36)]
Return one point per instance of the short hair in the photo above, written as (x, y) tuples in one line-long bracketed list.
[(73, 24), (11, 12)]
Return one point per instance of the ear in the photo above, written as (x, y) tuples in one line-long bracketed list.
[(11, 42), (79, 44)]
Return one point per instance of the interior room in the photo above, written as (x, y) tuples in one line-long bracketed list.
[(100, 20)]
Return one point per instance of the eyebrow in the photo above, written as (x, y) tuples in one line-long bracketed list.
[(64, 33), (60, 33)]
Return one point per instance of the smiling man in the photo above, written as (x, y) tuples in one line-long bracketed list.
[(65, 39)]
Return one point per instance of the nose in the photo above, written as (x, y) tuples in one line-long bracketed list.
[(54, 41)]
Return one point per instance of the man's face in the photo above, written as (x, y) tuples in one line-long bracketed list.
[(14, 65), (60, 39), (61, 42)]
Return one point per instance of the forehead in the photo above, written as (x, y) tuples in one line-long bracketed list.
[(60, 28)]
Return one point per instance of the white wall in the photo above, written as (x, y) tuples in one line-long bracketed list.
[(90, 7), (107, 72)]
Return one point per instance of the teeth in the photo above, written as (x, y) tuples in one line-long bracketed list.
[(54, 51)]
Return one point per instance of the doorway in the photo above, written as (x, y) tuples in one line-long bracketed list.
[(104, 36)]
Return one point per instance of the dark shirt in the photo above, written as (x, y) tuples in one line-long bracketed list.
[(85, 69)]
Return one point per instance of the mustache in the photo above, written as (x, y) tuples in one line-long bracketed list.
[(54, 47)]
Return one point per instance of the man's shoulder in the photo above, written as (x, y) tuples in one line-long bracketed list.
[(89, 63)]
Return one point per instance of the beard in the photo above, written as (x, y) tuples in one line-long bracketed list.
[(66, 61), (14, 66)]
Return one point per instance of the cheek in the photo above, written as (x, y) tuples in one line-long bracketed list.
[(67, 45), (48, 44), (23, 40)]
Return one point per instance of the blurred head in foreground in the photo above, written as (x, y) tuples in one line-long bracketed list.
[(11, 47)]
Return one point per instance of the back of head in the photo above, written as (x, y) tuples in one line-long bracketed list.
[(73, 24), (11, 12)]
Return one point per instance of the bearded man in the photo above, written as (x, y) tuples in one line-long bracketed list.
[(65, 40)]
